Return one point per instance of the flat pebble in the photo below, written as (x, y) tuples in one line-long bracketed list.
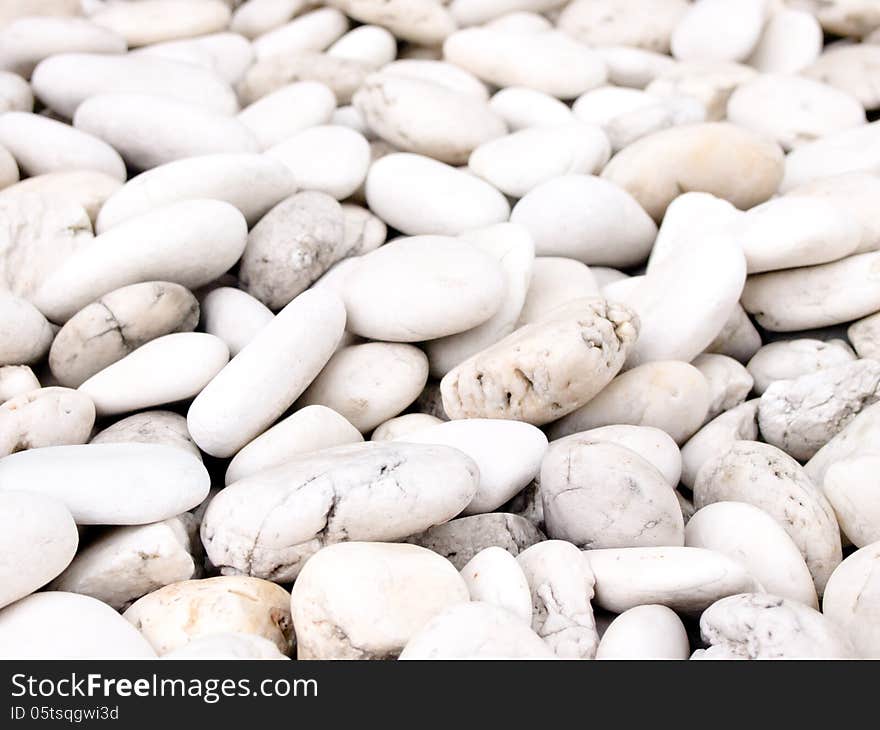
[(228, 55), (418, 195), (372, 491), (312, 31), (668, 394), (121, 321), (442, 73), (111, 484)]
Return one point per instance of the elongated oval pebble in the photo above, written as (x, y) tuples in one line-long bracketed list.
[(153, 21), (290, 109), (111, 484), (268, 375), (28, 520)]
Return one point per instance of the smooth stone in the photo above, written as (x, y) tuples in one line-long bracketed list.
[(400, 427), (789, 359), (27, 41), (252, 183), (137, 125), (66, 80), (234, 316), (794, 231), (364, 231), (149, 427), (229, 645), (82, 628), (802, 415), (494, 576), (167, 369), (738, 337), (864, 335), (459, 540), (271, 523), (15, 93), (602, 495), (9, 174), (343, 76), (519, 162), (645, 632), (16, 380), (605, 103), (791, 41), (443, 73), (312, 31), (717, 436), (708, 157), (421, 288), (662, 113), (125, 563), (461, 632), (512, 246), (418, 21), (851, 600), (653, 445), (329, 159), (729, 382), (111, 484), (545, 370), (228, 55), (13, 9), (748, 535), (154, 21), (45, 417), (846, 17), (793, 110), (852, 150), (291, 247), (87, 189), (561, 585), (719, 30), (189, 243), (555, 282), (370, 44), (121, 321), (29, 521), (170, 616), (255, 17), (507, 14), (508, 454), (418, 195), (853, 194), (685, 579), (426, 118), (348, 116), (268, 375), (860, 436), (710, 82), (685, 301), (521, 108), (369, 383), (586, 218), (40, 145), (307, 430), (622, 22), (547, 61), (769, 479), (667, 394), (25, 335), (763, 626), (634, 67), (288, 110), (850, 68), (849, 486), (399, 588)]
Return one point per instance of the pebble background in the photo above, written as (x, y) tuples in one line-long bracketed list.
[(416, 329)]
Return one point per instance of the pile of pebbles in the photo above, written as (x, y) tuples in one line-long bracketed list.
[(382, 329)]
